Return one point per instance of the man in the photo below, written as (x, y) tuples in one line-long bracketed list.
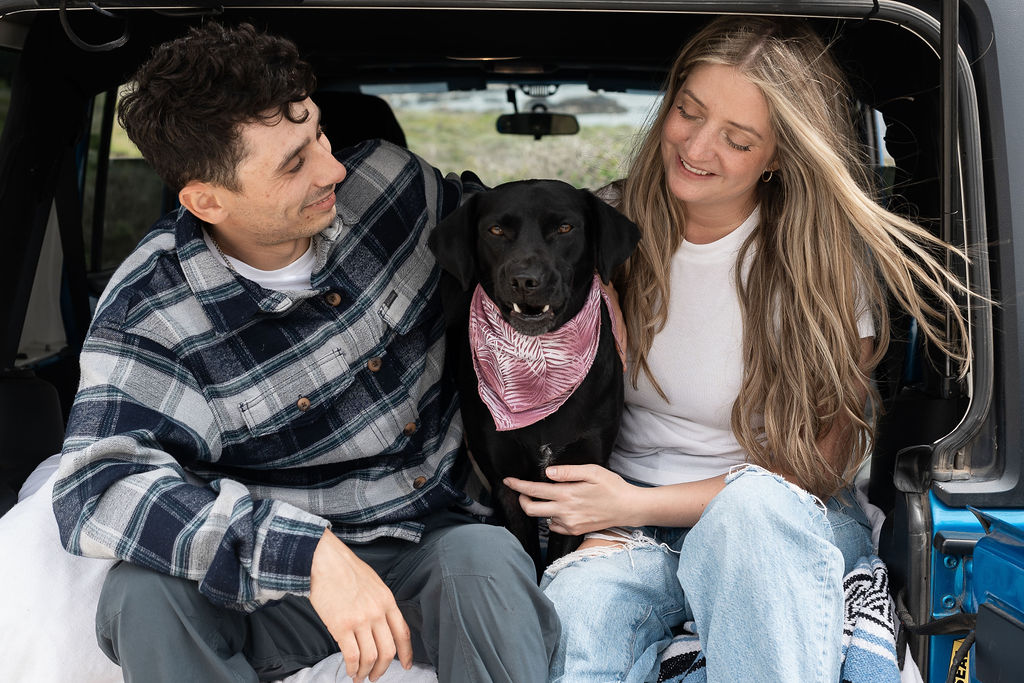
[(263, 433)]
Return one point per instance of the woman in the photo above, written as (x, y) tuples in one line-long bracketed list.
[(756, 309)]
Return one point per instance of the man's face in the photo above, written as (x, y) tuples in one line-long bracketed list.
[(286, 182)]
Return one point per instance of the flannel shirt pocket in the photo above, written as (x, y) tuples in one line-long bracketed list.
[(298, 398)]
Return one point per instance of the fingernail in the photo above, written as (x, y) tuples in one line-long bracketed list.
[(551, 472)]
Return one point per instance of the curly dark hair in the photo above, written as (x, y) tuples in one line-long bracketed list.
[(188, 100)]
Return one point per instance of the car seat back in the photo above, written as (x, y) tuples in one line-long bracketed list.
[(351, 117), (31, 427)]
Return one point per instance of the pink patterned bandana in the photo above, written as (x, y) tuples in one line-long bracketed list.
[(522, 378)]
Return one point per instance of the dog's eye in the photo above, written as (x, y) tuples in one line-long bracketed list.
[(496, 230), (564, 228)]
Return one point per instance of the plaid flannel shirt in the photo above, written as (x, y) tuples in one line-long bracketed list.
[(220, 427)]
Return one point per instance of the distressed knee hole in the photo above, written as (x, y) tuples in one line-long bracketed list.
[(614, 541), (752, 472)]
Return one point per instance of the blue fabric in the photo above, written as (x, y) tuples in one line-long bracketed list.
[(220, 427), (869, 634)]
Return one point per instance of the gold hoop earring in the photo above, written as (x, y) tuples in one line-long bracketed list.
[(767, 178)]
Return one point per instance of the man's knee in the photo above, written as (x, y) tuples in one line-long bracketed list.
[(485, 550), (125, 590), (128, 587), (485, 571), (138, 604)]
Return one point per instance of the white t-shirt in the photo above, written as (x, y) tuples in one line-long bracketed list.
[(698, 360), (295, 277)]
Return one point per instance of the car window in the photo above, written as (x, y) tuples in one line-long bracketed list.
[(8, 60), (456, 131), (132, 194)]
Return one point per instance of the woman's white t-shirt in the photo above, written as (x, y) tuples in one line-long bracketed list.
[(698, 360)]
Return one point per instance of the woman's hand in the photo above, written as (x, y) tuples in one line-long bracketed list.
[(584, 498)]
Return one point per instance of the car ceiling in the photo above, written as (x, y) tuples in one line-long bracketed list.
[(608, 50)]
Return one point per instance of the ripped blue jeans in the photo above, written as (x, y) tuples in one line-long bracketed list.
[(760, 575)]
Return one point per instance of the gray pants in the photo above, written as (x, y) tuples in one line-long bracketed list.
[(468, 592)]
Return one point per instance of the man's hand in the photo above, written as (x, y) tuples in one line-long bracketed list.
[(358, 610)]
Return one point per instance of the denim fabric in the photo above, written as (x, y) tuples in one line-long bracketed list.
[(760, 575)]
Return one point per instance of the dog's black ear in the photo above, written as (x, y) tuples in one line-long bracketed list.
[(453, 242), (615, 236)]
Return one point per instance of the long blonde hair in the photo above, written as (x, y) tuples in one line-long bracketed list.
[(825, 254)]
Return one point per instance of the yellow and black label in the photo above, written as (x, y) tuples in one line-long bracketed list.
[(965, 665)]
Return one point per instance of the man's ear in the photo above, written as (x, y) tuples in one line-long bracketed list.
[(453, 242), (204, 201)]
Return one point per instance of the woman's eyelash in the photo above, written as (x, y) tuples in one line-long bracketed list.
[(690, 117), (683, 113)]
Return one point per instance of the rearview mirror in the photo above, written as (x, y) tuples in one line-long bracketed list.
[(538, 124)]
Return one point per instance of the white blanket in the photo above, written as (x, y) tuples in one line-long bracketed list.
[(48, 612)]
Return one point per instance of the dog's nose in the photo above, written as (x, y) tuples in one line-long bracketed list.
[(525, 282)]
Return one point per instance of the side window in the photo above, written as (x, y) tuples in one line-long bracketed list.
[(8, 59), (883, 165), (122, 194)]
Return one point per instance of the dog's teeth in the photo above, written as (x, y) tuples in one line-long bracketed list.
[(547, 307), (515, 307)]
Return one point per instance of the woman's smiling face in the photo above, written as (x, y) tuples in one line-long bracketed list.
[(717, 142)]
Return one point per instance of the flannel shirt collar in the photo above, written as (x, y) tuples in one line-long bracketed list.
[(229, 299)]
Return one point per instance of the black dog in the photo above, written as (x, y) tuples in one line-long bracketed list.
[(533, 246)]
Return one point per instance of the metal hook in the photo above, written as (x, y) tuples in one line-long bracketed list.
[(81, 44), (867, 17)]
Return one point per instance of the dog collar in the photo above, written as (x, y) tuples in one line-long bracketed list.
[(521, 378)]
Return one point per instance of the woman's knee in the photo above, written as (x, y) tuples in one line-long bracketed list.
[(756, 501), (607, 585), (578, 582), (616, 608), (758, 525)]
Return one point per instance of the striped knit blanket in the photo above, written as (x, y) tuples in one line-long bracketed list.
[(869, 634)]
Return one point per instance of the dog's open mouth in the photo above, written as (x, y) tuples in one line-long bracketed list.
[(530, 314), (529, 319)]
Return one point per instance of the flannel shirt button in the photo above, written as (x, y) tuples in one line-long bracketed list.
[(332, 298), (303, 404), (410, 429), (374, 364), (418, 482)]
